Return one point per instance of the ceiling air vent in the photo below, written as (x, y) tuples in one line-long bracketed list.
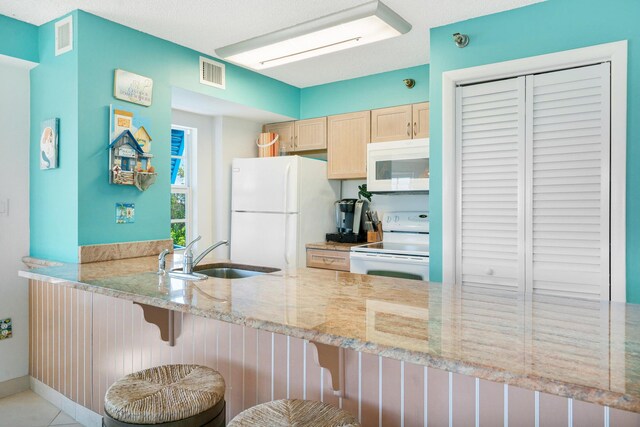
[(64, 35), (212, 73)]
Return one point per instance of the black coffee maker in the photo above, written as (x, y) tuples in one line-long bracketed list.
[(350, 217)]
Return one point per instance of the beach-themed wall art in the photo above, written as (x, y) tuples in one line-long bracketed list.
[(49, 143), (130, 150), (132, 87), (5, 329), (125, 213)]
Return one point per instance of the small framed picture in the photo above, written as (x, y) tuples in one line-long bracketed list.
[(49, 143), (125, 213)]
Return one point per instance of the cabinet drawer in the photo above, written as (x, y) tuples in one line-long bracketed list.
[(329, 260)]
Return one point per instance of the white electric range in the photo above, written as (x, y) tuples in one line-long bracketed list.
[(403, 252)]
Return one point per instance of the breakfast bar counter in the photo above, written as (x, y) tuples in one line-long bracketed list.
[(582, 350)]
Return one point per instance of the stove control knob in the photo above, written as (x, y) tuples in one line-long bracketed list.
[(489, 271)]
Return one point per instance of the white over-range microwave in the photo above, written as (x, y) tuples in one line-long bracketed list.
[(398, 165)]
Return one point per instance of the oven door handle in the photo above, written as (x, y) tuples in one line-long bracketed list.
[(386, 257)]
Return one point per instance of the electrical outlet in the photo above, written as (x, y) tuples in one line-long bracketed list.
[(5, 329)]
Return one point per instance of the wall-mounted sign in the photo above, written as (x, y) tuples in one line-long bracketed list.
[(132, 87)]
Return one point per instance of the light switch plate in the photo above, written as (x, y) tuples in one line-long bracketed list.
[(5, 329)]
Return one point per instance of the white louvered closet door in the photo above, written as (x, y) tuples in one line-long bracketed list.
[(490, 172), (568, 175)]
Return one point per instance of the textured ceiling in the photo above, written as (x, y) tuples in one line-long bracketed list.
[(205, 25)]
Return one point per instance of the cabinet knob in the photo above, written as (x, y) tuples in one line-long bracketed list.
[(415, 128), (409, 129)]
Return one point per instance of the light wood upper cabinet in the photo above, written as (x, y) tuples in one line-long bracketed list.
[(310, 134), (286, 132), (391, 124), (421, 120), (398, 123), (347, 139)]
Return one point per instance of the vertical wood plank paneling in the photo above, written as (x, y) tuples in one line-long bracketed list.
[(312, 373), (136, 338), (31, 328), (464, 402), (296, 368), (351, 382), (438, 402), (328, 396), (223, 355), (553, 410), (55, 338), (587, 414), (70, 358), (235, 380), (127, 338), (81, 342), (49, 353), (413, 395), (249, 394), (100, 322), (521, 407), (264, 367), (89, 351), (619, 418), (391, 392), (370, 390), (199, 340), (279, 367), (491, 403)]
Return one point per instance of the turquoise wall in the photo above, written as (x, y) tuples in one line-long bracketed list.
[(365, 93), (551, 26), (18, 39), (104, 46), (54, 192), (75, 205)]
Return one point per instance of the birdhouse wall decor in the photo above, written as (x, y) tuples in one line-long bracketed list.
[(129, 151)]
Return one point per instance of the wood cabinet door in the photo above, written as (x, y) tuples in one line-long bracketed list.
[(421, 120), (347, 139), (391, 124), (286, 132), (310, 134)]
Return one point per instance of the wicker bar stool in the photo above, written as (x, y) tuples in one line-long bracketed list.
[(169, 396), (294, 412)]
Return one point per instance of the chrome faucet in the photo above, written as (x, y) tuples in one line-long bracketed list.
[(188, 263), (162, 263)]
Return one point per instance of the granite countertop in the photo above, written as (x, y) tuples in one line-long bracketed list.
[(333, 246), (586, 350)]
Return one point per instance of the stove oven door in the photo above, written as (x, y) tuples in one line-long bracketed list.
[(402, 266)]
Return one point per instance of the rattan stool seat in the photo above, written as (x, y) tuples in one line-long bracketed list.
[(294, 412), (164, 394)]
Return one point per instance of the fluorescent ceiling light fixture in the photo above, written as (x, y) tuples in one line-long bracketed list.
[(360, 25)]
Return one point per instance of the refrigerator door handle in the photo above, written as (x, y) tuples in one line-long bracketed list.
[(287, 173)]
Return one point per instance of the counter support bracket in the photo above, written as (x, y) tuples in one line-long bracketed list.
[(331, 358), (163, 318)]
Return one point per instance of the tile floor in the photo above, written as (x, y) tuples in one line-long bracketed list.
[(27, 409)]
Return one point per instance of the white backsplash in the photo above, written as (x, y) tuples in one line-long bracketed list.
[(387, 202)]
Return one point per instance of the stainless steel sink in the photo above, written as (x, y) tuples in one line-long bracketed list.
[(233, 271), (224, 270)]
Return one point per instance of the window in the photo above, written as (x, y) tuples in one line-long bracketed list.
[(180, 187)]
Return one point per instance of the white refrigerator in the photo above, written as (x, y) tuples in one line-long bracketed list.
[(278, 205)]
